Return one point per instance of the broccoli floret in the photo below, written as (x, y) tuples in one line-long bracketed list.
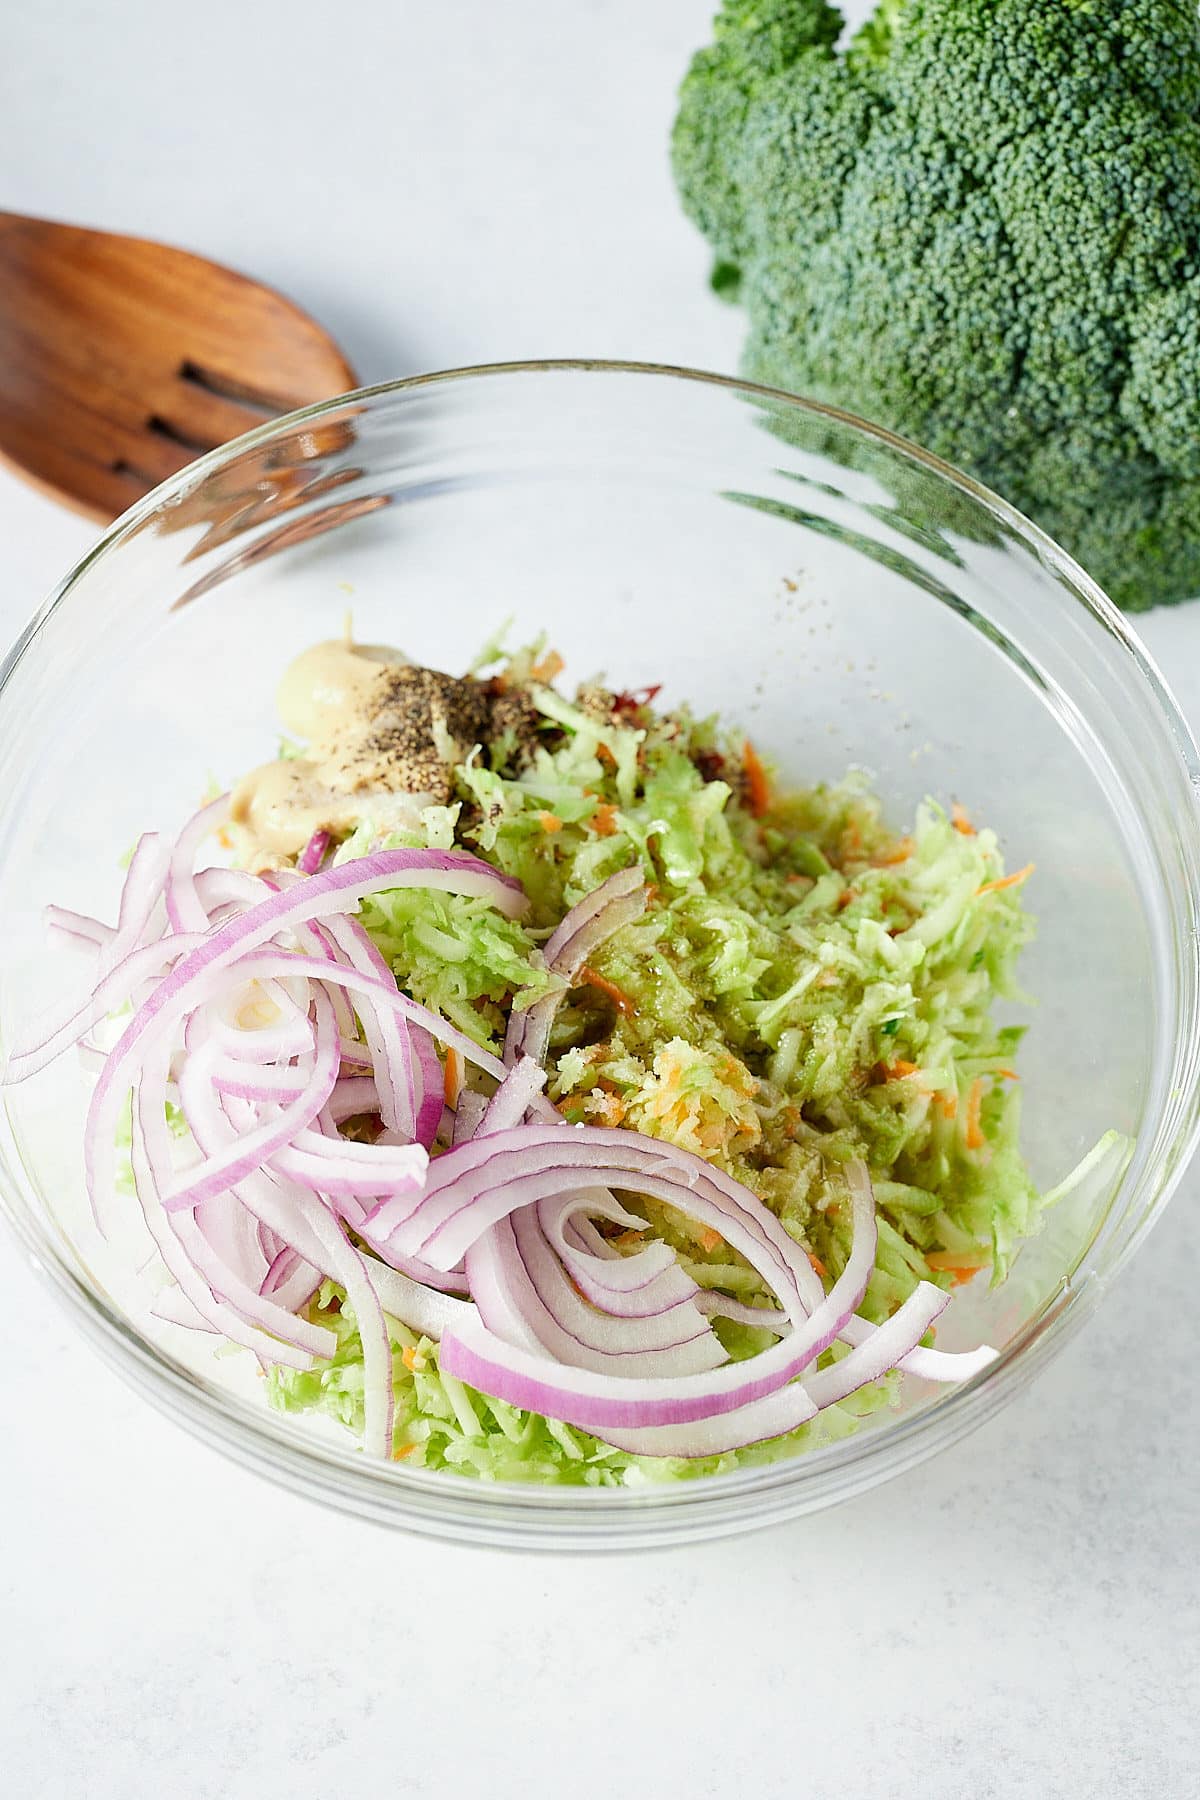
[(979, 224)]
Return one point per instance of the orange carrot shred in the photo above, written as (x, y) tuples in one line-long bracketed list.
[(709, 1239), (604, 820), (900, 852), (900, 1068), (403, 1451), (455, 1075), (548, 666), (958, 1263), (973, 1134), (1006, 881), (961, 821), (549, 821), (618, 996), (758, 787), (410, 1358), (818, 1266)]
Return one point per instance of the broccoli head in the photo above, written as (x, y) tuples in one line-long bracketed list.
[(979, 224)]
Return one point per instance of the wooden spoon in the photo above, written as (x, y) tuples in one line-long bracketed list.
[(122, 360)]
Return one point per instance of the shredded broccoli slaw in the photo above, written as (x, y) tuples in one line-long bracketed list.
[(806, 987)]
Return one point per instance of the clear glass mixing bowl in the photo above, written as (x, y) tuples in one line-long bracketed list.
[(848, 598)]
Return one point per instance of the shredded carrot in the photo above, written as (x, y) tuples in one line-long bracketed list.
[(549, 821), (759, 788), (960, 820), (709, 1239), (845, 898), (628, 1239), (604, 755), (548, 666), (604, 820), (973, 1134), (900, 852), (618, 996), (455, 1075), (607, 1099), (818, 1266), (402, 1452), (224, 839), (963, 1267), (1006, 881), (900, 1068), (1006, 1075), (411, 1357), (947, 1105)]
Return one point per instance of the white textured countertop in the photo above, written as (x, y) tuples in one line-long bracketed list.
[(450, 184)]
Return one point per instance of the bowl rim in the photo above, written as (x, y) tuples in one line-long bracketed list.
[(517, 1515)]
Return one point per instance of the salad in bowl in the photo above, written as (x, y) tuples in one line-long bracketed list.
[(537, 1086)]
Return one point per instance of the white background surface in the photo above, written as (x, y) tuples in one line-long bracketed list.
[(457, 183)]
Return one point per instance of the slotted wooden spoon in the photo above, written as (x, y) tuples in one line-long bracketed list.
[(122, 360)]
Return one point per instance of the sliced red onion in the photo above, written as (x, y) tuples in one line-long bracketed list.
[(676, 1341), (344, 1264), (616, 902), (159, 1017), (340, 1167), (532, 1304), (150, 1151), (77, 929), (562, 947), (600, 1402), (185, 909), (260, 1023), (927, 1364), (650, 1281), (235, 1237), (513, 1098), (389, 1039), (888, 1346), (141, 892), (475, 1183), (716, 1305), (147, 961), (314, 853), (432, 1086), (468, 1116), (218, 888), (502, 1303), (353, 1096), (174, 1308), (283, 1265), (411, 1301), (281, 1206), (217, 1174), (319, 896)]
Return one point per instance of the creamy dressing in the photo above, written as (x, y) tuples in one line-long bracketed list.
[(367, 758)]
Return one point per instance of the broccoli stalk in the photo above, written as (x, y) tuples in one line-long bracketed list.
[(979, 224)]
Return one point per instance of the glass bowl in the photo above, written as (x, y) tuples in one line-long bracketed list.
[(848, 598)]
